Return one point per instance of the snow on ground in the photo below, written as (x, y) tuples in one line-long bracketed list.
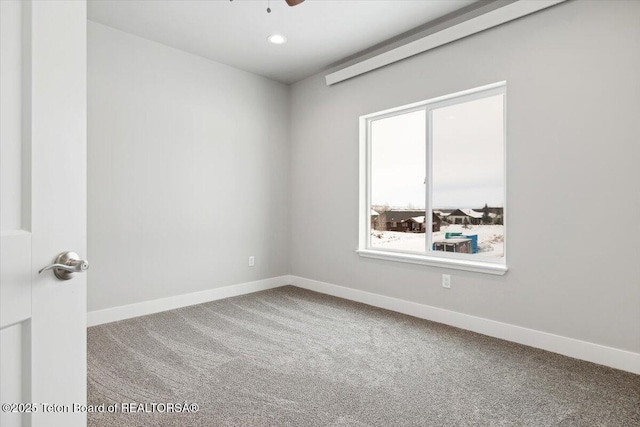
[(490, 239)]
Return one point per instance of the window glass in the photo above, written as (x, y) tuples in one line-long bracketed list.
[(398, 171), (468, 177)]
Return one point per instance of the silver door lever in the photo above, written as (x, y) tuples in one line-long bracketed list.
[(66, 264)]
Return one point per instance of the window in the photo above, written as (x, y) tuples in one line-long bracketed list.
[(438, 168)]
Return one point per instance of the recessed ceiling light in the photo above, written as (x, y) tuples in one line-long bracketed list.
[(277, 39)]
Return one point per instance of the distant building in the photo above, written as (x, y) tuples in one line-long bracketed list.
[(374, 219), (416, 224), (391, 220), (436, 222), (495, 214), (459, 215), (406, 220), (496, 211)]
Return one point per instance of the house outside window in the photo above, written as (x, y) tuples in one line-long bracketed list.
[(438, 168)]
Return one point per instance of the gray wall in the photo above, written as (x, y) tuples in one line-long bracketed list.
[(573, 176), (191, 171), (188, 172)]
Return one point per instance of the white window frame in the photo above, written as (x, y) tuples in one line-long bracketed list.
[(457, 261)]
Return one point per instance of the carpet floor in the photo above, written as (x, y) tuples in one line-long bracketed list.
[(291, 357)]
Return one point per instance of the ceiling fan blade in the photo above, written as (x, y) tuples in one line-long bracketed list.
[(294, 2)]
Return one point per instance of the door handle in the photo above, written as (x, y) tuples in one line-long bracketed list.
[(66, 265)]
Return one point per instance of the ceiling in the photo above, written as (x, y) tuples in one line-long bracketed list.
[(320, 33)]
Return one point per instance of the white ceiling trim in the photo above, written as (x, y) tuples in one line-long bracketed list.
[(473, 25)]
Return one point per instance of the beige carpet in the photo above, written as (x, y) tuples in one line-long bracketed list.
[(291, 357)]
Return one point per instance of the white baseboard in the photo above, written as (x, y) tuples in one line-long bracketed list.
[(603, 355), (122, 312)]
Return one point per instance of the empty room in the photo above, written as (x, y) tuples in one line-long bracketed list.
[(320, 213)]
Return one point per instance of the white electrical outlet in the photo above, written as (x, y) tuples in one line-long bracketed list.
[(446, 281), (252, 261)]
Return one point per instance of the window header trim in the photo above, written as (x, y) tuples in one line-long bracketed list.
[(480, 91)]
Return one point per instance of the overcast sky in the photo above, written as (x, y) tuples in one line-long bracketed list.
[(468, 152)]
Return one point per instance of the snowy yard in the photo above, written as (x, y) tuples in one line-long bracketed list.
[(490, 239)]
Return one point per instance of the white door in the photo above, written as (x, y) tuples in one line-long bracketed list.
[(43, 210)]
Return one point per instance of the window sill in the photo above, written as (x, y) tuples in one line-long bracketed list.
[(456, 264)]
